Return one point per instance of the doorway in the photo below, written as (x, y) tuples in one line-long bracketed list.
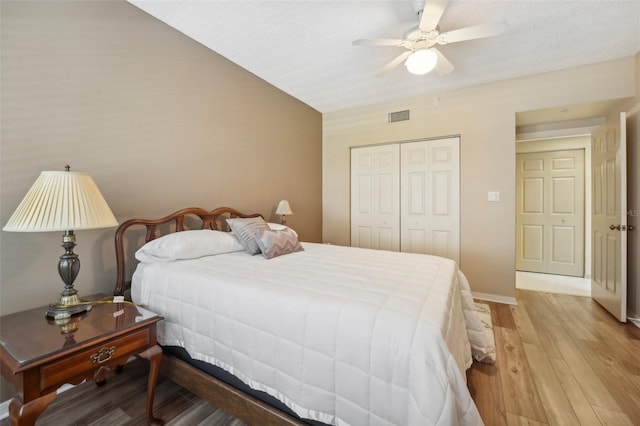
[(550, 212), (549, 280)]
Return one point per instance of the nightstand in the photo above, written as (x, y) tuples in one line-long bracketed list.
[(38, 354)]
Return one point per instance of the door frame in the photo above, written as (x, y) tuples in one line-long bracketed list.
[(564, 144)]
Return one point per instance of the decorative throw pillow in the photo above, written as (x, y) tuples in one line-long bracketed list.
[(246, 229), (188, 245), (277, 243)]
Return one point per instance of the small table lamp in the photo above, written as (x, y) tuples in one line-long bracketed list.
[(63, 201), (284, 209)]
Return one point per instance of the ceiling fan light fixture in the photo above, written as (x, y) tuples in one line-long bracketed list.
[(421, 61)]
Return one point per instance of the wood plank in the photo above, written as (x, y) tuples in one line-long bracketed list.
[(556, 404), (200, 413), (614, 375), (485, 387), (593, 388), (115, 417), (542, 320), (613, 335), (612, 417), (520, 392), (515, 420), (501, 316), (218, 417), (581, 406), (523, 323), (565, 308)]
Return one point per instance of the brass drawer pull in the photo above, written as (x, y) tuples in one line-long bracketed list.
[(103, 355)]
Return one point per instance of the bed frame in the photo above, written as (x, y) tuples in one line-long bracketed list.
[(235, 402)]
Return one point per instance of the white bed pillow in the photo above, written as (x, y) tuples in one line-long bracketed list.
[(280, 227), (245, 229), (277, 243), (188, 245)]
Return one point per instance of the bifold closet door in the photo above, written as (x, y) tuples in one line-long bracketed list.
[(375, 197), (430, 197), (406, 197)]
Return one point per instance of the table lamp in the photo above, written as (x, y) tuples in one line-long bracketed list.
[(63, 201), (283, 209)]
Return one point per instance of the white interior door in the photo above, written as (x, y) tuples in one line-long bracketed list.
[(375, 197), (430, 197), (609, 220), (550, 212)]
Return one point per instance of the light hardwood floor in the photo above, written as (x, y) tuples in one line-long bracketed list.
[(562, 360)]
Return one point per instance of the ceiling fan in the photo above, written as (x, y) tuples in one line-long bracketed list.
[(421, 55)]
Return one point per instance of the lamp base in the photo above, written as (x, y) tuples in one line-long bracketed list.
[(66, 307), (68, 268)]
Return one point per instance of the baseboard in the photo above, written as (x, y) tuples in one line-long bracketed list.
[(4, 409), (633, 318), (494, 298)]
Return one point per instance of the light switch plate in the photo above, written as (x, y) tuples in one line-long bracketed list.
[(493, 196)]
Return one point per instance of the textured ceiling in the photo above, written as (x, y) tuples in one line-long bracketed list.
[(304, 48)]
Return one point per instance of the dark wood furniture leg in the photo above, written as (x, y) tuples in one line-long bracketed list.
[(26, 414), (154, 355)]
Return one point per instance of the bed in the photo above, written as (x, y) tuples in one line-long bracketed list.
[(320, 334)]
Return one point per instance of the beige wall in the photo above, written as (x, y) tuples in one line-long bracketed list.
[(158, 120), (484, 117)]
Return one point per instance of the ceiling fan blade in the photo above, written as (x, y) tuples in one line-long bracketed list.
[(396, 61), (443, 66), (431, 14), (478, 31), (377, 42)]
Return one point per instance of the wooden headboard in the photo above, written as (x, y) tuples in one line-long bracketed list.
[(214, 219)]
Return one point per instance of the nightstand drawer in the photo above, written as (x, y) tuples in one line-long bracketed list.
[(56, 373)]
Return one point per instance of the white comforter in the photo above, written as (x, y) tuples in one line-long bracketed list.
[(340, 335)]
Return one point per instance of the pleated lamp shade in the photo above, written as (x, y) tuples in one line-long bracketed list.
[(62, 201), (284, 208)]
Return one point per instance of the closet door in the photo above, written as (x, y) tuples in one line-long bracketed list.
[(550, 212), (430, 197), (375, 197)]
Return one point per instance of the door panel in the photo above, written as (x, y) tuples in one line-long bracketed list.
[(442, 192), (441, 244), (533, 189), (375, 197), (430, 198), (609, 220), (563, 195), (407, 197), (533, 243), (416, 192), (550, 212), (563, 250)]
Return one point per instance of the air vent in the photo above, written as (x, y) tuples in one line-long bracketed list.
[(398, 116)]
